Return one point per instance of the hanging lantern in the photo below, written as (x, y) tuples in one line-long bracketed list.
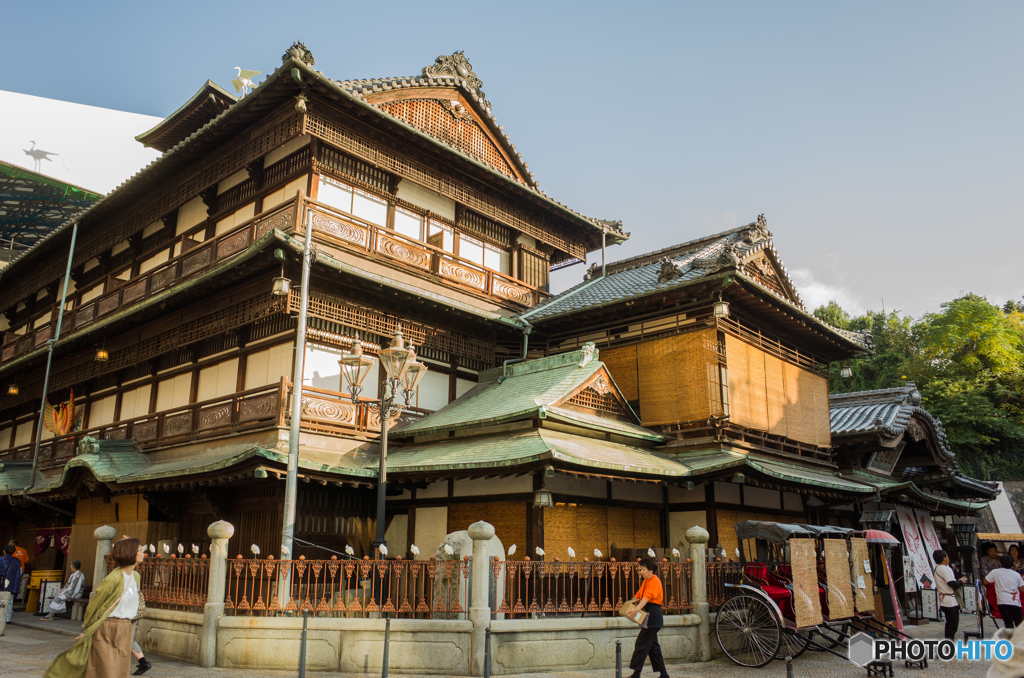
[(354, 368), (414, 374), (721, 307), (282, 286), (12, 390), (101, 355), (396, 359), (542, 499), (846, 372)]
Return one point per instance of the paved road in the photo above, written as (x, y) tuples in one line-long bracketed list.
[(29, 646)]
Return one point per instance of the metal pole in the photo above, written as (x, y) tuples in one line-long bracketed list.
[(49, 359), (604, 266), (387, 639), (382, 470), (789, 667), (618, 659), (487, 652), (302, 647), (291, 483)]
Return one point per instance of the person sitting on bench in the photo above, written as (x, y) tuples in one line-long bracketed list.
[(69, 592)]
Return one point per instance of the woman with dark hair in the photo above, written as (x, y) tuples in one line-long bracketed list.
[(648, 598), (1018, 557), (103, 650), (989, 560), (69, 592)]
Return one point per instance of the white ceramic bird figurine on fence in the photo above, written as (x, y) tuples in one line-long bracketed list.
[(152, 549), (383, 549), (737, 553), (285, 550), (597, 554), (675, 553), (181, 548), (540, 551), (255, 550), (511, 550), (195, 549), (572, 554), (243, 82), (167, 548), (415, 550), (447, 548), (349, 550), (650, 553)]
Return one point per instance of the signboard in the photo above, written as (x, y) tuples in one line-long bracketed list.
[(970, 600), (930, 604), (931, 539), (915, 549), (909, 580)]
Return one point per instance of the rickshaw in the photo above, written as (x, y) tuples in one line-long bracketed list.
[(987, 602), (791, 603)]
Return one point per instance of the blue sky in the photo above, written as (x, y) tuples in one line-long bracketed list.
[(881, 140)]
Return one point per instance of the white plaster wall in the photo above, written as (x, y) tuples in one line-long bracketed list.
[(232, 181), (431, 528), (489, 486), (190, 214), (268, 366), (575, 485), (435, 490), (218, 380), (173, 392), (427, 199), (762, 497), (792, 501), (135, 403), (678, 494), (646, 492), (727, 493), (286, 150)]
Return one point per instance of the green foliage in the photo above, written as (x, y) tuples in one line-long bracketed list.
[(968, 363)]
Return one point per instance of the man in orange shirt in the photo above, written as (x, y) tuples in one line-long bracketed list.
[(19, 553), (648, 598)]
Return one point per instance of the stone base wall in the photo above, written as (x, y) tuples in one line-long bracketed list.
[(345, 645), (533, 645), (170, 633)]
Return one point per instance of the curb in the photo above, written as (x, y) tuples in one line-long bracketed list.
[(41, 627)]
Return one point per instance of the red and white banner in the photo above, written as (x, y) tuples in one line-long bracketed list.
[(931, 539), (916, 549)]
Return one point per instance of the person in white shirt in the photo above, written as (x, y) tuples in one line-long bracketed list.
[(946, 584), (1009, 588)]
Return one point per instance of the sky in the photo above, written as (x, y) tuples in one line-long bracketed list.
[(882, 141)]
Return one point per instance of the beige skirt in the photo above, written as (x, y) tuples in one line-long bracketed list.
[(110, 656)]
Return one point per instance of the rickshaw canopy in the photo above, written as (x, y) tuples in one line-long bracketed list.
[(779, 533)]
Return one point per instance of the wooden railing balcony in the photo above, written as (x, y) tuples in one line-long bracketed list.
[(323, 411)]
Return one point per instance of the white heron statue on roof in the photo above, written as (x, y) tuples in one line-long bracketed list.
[(243, 81)]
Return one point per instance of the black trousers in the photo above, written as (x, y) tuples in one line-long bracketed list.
[(952, 620), (1013, 615), (647, 645)]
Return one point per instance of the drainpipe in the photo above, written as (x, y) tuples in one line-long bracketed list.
[(604, 266), (49, 362), (291, 483), (515, 361)]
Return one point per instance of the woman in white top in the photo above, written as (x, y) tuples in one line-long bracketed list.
[(1009, 588), (70, 591)]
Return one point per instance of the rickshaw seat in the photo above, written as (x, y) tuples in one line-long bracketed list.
[(759, 573)]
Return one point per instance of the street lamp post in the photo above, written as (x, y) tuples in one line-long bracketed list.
[(403, 375)]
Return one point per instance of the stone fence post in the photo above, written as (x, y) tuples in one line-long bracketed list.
[(479, 607), (104, 538), (219, 533), (697, 537)]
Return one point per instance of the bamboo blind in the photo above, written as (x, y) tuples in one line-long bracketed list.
[(620, 527), (837, 566), (806, 603), (621, 363), (559, 532), (673, 376), (864, 599), (508, 518), (769, 394), (748, 404), (586, 528), (727, 529)]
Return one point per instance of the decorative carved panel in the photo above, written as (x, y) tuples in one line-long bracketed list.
[(65, 448), (196, 262), (107, 304), (400, 250), (233, 245), (179, 424), (24, 344), (463, 274), (282, 221), (85, 316), (215, 417), (506, 290), (8, 352), (145, 431), (115, 434), (262, 407), (343, 230), (135, 291), (46, 452), (42, 335), (164, 277), (373, 421), (25, 453), (334, 411)]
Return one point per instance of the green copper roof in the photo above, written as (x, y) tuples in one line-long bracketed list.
[(525, 447)]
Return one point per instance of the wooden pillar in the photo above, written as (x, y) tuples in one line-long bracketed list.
[(712, 513)]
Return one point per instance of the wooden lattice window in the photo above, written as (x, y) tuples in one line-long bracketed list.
[(598, 396), (763, 273), (348, 166), (488, 229)]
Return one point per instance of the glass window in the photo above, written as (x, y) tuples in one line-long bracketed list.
[(496, 259), (409, 224), (442, 236), (471, 249), (369, 207), (334, 194)]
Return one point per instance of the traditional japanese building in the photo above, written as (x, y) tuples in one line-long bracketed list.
[(176, 354)]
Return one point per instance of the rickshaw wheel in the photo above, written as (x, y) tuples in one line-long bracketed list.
[(748, 631), (829, 637), (794, 643)]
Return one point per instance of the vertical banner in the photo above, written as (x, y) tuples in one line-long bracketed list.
[(916, 548), (931, 539)]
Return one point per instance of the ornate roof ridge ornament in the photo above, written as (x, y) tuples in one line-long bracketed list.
[(669, 270), (298, 51), (458, 66), (757, 232)]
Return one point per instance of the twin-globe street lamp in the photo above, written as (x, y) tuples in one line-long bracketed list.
[(404, 374)]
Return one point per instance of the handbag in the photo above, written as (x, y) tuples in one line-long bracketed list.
[(142, 608)]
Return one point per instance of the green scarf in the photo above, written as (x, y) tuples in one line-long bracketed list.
[(71, 662)]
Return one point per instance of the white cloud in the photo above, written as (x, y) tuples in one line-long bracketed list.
[(817, 293)]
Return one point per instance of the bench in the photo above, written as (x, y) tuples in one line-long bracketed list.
[(79, 604)]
